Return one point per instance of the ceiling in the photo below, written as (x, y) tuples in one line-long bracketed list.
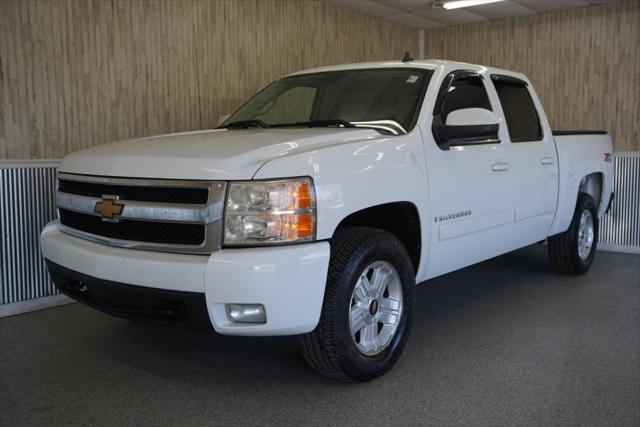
[(420, 14)]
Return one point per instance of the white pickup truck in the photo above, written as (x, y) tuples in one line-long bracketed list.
[(317, 206)]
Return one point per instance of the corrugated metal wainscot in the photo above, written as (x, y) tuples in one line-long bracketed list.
[(27, 203), (27, 198)]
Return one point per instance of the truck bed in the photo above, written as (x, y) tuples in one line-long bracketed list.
[(578, 132)]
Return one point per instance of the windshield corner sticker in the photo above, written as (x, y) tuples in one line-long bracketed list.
[(452, 216), (412, 78)]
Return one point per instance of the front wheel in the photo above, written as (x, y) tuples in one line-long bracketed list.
[(572, 252), (367, 309)]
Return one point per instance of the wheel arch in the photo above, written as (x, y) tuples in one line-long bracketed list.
[(593, 185), (401, 219)]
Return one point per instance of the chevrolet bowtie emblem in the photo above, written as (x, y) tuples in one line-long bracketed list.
[(108, 207)]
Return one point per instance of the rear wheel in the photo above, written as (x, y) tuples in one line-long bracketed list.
[(367, 309), (572, 252)]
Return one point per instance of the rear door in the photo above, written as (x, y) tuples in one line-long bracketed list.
[(533, 158)]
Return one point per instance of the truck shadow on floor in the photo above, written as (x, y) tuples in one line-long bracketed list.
[(208, 359)]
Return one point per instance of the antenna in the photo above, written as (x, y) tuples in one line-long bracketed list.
[(407, 57)]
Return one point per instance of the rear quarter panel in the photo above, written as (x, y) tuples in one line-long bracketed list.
[(579, 156)]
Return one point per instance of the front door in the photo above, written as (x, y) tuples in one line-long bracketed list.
[(469, 185)]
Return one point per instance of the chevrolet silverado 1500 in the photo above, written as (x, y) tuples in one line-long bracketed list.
[(317, 206)]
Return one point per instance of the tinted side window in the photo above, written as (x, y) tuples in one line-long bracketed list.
[(519, 111), (465, 92)]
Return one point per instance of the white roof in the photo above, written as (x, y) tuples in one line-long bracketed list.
[(429, 64)]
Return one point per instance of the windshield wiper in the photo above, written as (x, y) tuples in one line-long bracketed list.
[(317, 123), (244, 124)]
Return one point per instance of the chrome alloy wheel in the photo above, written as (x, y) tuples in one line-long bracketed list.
[(585, 234), (376, 308)]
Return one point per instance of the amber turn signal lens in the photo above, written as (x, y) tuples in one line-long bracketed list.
[(303, 196), (298, 227)]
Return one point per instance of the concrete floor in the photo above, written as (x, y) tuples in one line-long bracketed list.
[(503, 342)]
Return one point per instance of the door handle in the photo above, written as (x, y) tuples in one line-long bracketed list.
[(547, 161), (500, 166)]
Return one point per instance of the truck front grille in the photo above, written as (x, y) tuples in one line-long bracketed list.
[(161, 215), (196, 196), (134, 230)]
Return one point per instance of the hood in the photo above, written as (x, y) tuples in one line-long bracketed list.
[(219, 154)]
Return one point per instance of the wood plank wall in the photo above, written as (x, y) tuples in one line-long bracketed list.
[(584, 63), (79, 73)]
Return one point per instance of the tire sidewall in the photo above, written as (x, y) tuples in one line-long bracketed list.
[(585, 202), (384, 248)]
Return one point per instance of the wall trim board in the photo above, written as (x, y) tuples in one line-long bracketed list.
[(623, 249), (35, 304), (20, 164)]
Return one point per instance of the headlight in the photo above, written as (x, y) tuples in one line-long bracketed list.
[(270, 212)]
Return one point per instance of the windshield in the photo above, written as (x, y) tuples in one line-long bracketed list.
[(386, 99)]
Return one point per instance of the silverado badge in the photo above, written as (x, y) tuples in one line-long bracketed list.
[(109, 208)]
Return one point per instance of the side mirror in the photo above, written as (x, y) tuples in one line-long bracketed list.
[(467, 126), (471, 117), (223, 118)]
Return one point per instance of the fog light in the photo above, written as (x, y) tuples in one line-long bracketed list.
[(246, 313)]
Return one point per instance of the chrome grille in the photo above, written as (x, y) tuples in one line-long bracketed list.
[(149, 193), (142, 231), (160, 215)]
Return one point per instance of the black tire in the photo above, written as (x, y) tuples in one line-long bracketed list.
[(329, 348), (563, 248)]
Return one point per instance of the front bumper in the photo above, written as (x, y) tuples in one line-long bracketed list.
[(288, 280), (130, 301)]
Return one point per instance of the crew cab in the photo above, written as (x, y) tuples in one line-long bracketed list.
[(317, 206)]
